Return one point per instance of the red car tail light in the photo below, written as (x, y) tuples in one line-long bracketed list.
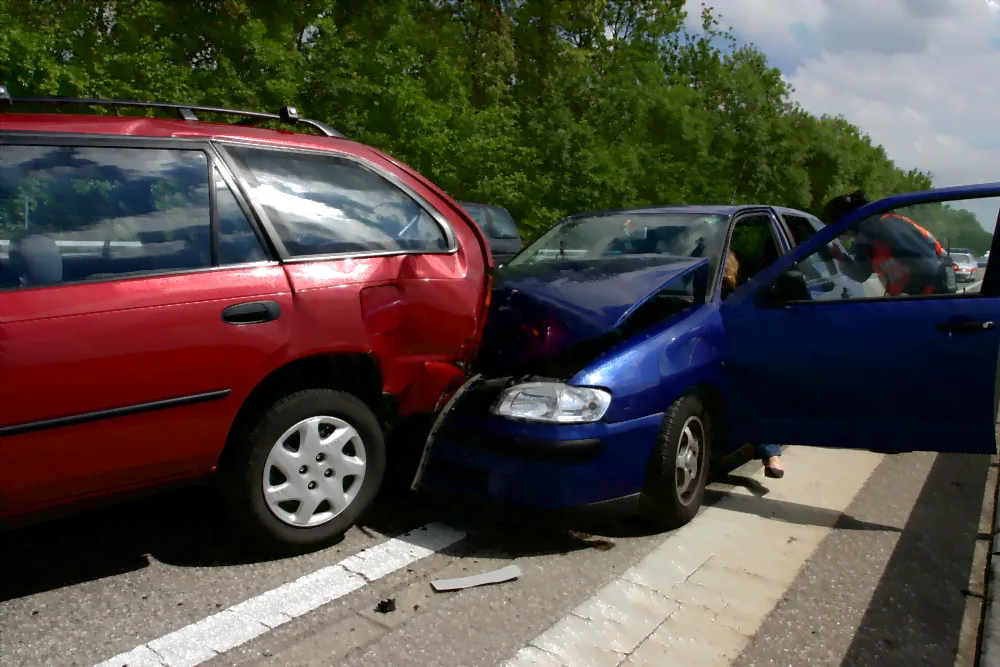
[(472, 347)]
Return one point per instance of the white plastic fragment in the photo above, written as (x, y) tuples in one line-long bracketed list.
[(508, 573)]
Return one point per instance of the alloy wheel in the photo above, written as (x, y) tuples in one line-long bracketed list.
[(689, 459)]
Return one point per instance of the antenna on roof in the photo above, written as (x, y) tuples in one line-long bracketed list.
[(732, 200)]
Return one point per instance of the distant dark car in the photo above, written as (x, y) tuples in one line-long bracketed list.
[(505, 239)]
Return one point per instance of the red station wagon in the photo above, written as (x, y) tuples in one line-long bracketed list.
[(179, 297)]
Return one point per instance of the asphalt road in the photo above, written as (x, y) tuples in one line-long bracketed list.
[(974, 286), (853, 558)]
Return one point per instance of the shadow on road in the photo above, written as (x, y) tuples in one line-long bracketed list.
[(919, 604), (184, 527), (749, 483), (783, 510), (909, 613), (177, 526), (190, 527)]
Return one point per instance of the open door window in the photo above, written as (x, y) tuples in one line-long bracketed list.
[(868, 336), (754, 243)]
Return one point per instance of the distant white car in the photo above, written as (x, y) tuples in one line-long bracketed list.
[(966, 267)]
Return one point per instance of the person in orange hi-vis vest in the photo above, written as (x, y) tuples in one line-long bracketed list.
[(907, 258)]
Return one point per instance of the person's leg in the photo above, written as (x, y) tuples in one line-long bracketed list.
[(765, 452), (771, 456)]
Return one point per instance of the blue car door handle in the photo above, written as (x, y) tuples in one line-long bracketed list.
[(965, 326)]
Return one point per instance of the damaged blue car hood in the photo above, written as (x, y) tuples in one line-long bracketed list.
[(542, 309)]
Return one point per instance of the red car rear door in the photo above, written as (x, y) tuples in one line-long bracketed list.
[(138, 304), (376, 264)]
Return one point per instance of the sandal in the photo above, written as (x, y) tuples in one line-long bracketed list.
[(773, 472)]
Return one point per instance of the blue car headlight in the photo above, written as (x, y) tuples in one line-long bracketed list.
[(553, 402)]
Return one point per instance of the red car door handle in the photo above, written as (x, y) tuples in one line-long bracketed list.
[(252, 312), (968, 326)]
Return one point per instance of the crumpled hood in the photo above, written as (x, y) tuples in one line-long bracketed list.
[(540, 310)]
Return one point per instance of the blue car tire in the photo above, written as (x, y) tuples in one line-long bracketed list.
[(674, 488)]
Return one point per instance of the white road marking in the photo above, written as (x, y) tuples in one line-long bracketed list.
[(701, 595), (209, 637)]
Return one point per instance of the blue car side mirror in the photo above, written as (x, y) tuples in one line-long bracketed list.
[(787, 287)]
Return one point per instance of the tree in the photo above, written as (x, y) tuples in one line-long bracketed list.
[(546, 107)]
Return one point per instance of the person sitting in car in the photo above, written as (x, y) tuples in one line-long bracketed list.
[(769, 455)]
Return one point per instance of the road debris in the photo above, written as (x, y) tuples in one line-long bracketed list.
[(386, 605), (508, 573)]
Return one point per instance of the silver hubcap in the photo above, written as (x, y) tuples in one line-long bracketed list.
[(314, 471), (689, 458)]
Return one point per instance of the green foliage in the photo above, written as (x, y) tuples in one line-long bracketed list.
[(951, 226), (545, 107)]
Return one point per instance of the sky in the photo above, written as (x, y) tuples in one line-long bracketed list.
[(919, 76)]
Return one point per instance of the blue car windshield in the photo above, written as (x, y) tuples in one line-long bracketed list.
[(681, 235)]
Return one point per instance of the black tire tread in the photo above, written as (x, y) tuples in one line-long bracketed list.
[(659, 505)]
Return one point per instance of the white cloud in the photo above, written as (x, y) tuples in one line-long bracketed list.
[(917, 75)]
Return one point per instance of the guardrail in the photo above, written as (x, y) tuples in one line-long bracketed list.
[(78, 247), (88, 244)]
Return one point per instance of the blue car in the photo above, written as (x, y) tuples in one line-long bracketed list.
[(616, 369)]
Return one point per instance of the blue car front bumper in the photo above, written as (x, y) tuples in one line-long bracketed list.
[(543, 466)]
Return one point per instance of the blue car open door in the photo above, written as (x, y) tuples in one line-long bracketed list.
[(910, 363)]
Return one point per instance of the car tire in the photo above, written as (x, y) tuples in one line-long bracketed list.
[(258, 469), (673, 492)]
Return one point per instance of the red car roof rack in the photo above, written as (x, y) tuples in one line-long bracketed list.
[(288, 115)]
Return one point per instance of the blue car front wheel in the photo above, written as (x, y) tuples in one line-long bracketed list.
[(674, 488)]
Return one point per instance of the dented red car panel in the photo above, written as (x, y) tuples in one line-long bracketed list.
[(77, 359)]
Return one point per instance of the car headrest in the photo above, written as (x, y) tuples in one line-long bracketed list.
[(37, 260)]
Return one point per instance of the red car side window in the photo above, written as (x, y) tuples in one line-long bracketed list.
[(77, 213), (326, 204)]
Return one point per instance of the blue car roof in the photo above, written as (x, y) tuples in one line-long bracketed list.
[(696, 209), (980, 190)]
